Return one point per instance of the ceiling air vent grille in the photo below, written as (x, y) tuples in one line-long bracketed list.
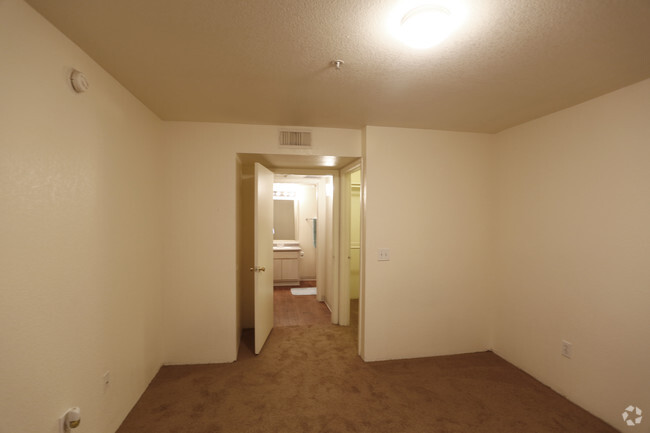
[(295, 138)]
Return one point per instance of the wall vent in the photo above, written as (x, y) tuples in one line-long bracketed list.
[(295, 138)]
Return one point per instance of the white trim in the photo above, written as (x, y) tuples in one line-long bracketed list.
[(344, 236)]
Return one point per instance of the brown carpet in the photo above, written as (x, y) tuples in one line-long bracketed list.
[(309, 379)]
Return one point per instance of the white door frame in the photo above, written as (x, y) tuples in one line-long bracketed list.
[(344, 244), (333, 274)]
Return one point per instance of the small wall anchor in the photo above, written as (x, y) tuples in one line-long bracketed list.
[(337, 64)]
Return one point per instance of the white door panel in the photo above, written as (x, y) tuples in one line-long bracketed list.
[(263, 266)]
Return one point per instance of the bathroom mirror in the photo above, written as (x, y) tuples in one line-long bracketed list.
[(284, 223)]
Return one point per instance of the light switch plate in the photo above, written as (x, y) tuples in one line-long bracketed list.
[(383, 254)]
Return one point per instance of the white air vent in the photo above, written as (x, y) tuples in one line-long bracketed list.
[(295, 138)]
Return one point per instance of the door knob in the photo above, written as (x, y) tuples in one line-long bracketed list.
[(258, 269)]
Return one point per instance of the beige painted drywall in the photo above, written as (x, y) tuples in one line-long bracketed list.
[(245, 246), (307, 209), (327, 232), (428, 198), (355, 233), (574, 251), (80, 230), (200, 272)]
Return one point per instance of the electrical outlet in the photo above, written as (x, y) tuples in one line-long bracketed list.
[(567, 348)]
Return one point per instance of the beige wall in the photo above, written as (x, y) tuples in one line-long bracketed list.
[(327, 268), (574, 250), (80, 230), (429, 200), (307, 209), (355, 234), (200, 276)]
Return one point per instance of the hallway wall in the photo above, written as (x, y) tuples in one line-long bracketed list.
[(200, 272), (355, 234), (429, 199), (81, 234), (308, 206)]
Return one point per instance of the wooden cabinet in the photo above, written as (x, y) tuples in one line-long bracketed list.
[(285, 268)]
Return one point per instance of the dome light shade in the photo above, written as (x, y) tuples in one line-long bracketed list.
[(424, 24)]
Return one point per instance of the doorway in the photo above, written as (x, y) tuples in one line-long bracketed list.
[(350, 245), (354, 246), (302, 221), (325, 232)]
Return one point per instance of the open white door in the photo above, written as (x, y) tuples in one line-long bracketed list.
[(263, 266)]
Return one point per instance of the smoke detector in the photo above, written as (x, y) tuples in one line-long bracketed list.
[(79, 81)]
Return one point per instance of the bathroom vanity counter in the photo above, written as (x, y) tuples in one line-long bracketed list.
[(285, 264), (289, 248)]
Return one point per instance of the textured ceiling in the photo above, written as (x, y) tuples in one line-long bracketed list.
[(268, 62)]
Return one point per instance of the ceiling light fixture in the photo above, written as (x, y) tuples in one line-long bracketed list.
[(285, 191), (425, 23)]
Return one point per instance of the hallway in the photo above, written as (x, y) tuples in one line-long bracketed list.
[(291, 310)]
